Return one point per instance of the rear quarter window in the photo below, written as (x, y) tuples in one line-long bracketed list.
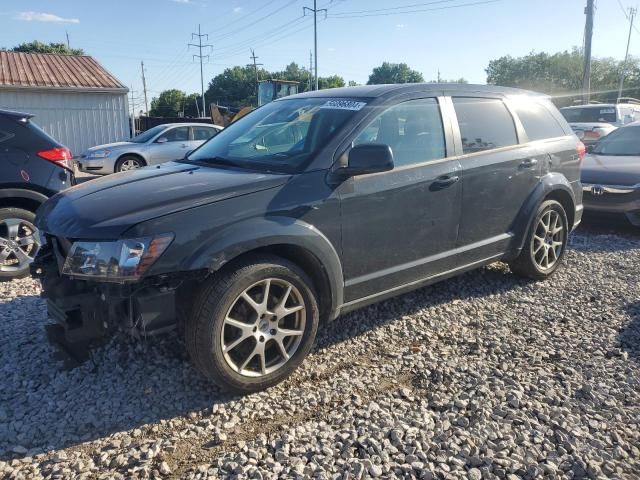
[(538, 122), (485, 124)]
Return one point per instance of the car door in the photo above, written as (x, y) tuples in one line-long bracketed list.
[(172, 144), (400, 226), (499, 173)]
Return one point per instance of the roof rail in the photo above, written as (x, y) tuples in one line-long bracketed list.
[(632, 100)]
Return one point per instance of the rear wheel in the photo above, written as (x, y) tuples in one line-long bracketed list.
[(251, 327), (129, 162), (545, 244), (19, 242)]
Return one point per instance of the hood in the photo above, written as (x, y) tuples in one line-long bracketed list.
[(105, 208), (611, 170), (106, 146)]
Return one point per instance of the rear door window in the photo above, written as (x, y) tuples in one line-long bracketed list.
[(485, 124), (203, 133), (537, 120)]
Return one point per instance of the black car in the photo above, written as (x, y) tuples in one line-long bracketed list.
[(611, 175), (309, 207), (33, 167)]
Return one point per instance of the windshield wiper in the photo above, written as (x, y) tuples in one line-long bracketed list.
[(215, 161)]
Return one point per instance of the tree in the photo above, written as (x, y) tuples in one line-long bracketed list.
[(560, 75), (394, 73), (444, 80), (192, 105), (168, 104), (235, 87), (334, 81), (39, 47)]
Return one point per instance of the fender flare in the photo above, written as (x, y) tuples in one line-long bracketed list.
[(23, 193), (547, 185), (249, 235)]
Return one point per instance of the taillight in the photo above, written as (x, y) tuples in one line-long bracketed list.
[(60, 155), (591, 134), (581, 150)]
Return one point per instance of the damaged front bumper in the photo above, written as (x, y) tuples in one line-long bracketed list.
[(86, 312)]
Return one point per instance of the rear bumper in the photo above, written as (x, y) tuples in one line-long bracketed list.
[(613, 199), (102, 166), (86, 312)]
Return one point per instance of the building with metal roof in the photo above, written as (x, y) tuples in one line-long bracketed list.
[(72, 97)]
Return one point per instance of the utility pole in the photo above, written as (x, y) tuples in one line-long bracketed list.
[(588, 35), (623, 69), (144, 86), (255, 69), (315, 11), (68, 44), (133, 115), (310, 70), (200, 56)]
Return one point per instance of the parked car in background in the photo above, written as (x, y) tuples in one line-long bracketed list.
[(309, 207), (157, 145), (594, 121), (33, 167), (611, 174)]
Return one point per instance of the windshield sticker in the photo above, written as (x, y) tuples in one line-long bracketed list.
[(344, 105), (607, 110)]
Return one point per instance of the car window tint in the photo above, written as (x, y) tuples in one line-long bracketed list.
[(537, 120), (623, 141), (4, 136), (412, 129), (485, 123), (203, 133), (178, 134)]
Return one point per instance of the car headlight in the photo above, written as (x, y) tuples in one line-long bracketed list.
[(99, 154), (116, 261)]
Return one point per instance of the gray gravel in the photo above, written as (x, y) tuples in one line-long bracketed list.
[(483, 376)]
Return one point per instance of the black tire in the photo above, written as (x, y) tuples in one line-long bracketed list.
[(8, 272), (205, 326), (126, 159), (528, 263)]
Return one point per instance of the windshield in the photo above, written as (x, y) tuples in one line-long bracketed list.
[(144, 137), (281, 136), (624, 141), (593, 114)]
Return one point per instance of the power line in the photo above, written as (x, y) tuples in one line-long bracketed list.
[(623, 67), (200, 57), (484, 2), (315, 10), (261, 19), (400, 7)]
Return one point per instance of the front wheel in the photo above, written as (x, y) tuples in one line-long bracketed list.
[(545, 244), (19, 242), (252, 326), (128, 162)]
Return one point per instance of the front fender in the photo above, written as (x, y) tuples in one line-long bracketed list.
[(243, 237), (548, 184)]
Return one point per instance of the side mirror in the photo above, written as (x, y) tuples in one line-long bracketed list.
[(367, 158), (162, 140)]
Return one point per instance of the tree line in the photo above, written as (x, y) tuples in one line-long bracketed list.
[(557, 74)]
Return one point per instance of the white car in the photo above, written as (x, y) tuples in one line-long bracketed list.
[(594, 121), (157, 145)]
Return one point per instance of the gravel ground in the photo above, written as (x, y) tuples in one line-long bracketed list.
[(483, 376)]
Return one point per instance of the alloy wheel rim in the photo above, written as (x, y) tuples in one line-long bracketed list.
[(548, 240), (263, 329), (18, 244), (129, 165)]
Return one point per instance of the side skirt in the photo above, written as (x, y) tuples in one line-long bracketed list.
[(378, 297)]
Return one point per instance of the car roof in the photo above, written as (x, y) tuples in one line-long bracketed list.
[(374, 91), (592, 105), (188, 124), (15, 115)]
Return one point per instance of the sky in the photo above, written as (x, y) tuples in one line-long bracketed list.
[(456, 37)]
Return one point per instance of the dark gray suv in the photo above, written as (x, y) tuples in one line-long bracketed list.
[(309, 207)]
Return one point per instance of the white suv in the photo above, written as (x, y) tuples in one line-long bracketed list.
[(594, 121)]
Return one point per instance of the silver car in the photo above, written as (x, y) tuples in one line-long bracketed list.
[(157, 145), (595, 121)]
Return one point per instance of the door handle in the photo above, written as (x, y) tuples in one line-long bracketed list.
[(529, 162), (444, 181)]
